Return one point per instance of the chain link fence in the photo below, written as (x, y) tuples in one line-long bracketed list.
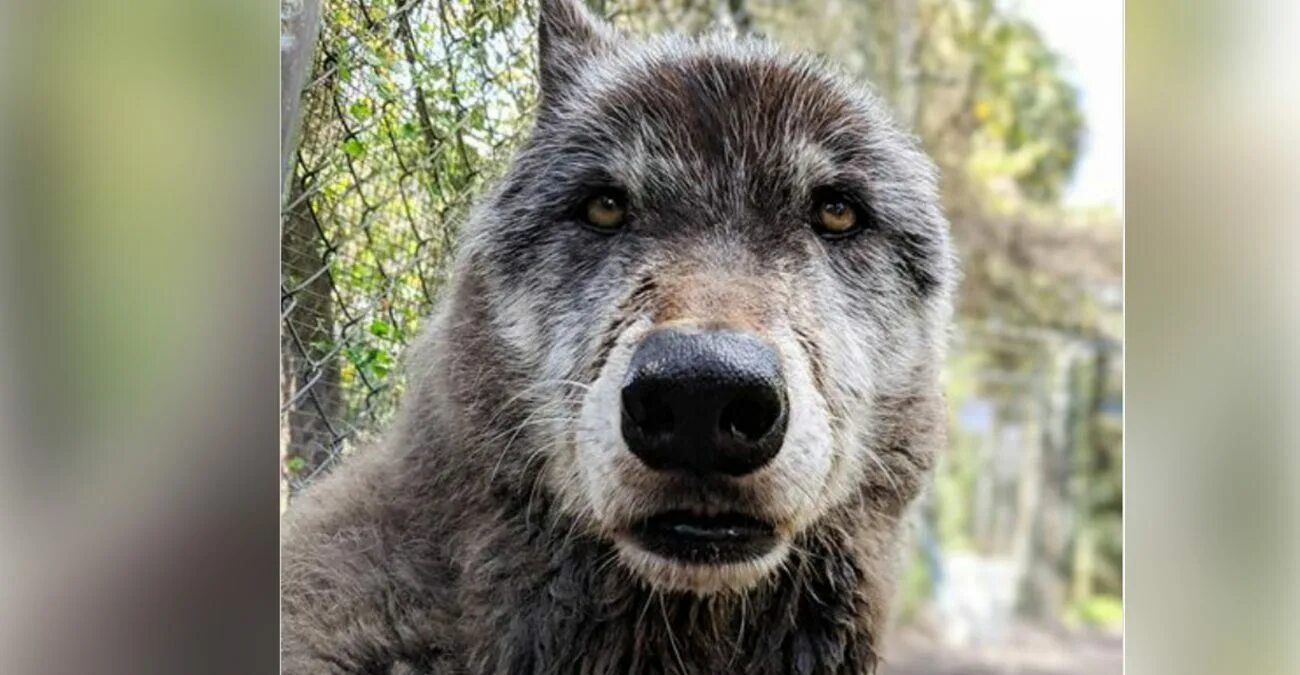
[(410, 106)]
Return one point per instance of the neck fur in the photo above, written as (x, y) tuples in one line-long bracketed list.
[(581, 612)]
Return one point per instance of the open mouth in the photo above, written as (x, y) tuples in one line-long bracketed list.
[(695, 538)]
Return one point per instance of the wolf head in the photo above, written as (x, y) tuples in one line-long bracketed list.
[(704, 308)]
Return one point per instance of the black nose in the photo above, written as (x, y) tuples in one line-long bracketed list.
[(704, 401)]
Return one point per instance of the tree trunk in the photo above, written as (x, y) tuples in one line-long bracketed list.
[(905, 66), (299, 25), (1090, 447), (310, 398), (734, 15), (1045, 590), (311, 403)]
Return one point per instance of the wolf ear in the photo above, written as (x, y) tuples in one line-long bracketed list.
[(568, 35)]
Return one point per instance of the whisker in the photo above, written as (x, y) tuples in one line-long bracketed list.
[(525, 392), (885, 470), (528, 421), (671, 640)]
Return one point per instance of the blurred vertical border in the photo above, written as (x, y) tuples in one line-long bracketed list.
[(138, 276), (1213, 449)]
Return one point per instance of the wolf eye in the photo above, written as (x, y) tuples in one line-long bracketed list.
[(834, 215), (605, 211)]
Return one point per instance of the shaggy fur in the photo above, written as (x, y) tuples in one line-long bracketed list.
[(486, 534)]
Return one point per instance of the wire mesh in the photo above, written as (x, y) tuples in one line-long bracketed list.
[(410, 107)]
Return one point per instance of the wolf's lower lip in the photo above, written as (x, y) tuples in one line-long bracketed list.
[(694, 538)]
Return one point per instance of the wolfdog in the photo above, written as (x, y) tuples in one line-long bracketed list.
[(670, 413)]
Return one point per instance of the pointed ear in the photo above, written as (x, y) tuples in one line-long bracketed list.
[(568, 35)]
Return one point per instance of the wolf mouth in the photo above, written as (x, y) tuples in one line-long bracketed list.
[(705, 539)]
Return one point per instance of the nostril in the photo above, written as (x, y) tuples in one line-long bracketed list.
[(651, 413), (749, 416)]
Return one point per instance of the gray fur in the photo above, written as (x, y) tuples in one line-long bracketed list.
[(482, 535)]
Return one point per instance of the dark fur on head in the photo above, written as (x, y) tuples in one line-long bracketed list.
[(484, 535)]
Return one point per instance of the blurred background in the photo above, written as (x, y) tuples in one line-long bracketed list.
[(408, 107)]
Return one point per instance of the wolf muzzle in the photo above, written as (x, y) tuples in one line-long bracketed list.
[(704, 402)]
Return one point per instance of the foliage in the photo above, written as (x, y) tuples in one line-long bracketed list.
[(1026, 115), (1105, 611), (411, 109), (916, 587)]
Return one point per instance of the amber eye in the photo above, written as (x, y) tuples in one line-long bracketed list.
[(835, 215), (605, 211)]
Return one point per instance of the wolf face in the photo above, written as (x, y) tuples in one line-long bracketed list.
[(720, 278)]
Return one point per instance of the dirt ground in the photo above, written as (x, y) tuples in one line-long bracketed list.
[(1028, 650)]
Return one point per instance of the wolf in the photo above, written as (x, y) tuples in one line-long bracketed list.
[(671, 412)]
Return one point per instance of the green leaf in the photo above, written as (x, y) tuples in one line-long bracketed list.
[(380, 328), (361, 110), (296, 464), (354, 147)]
